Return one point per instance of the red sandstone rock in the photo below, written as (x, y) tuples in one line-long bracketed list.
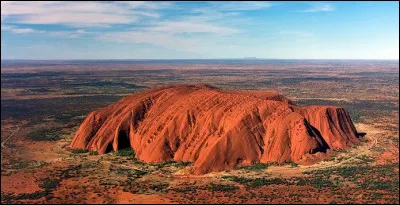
[(215, 129)]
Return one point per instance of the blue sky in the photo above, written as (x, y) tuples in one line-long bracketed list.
[(190, 30)]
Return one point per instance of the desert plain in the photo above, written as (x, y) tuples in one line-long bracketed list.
[(43, 103)]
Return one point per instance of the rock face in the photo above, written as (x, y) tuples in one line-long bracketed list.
[(215, 129)]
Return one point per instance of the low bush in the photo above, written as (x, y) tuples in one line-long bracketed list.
[(127, 152), (80, 151), (222, 187), (52, 134), (255, 167)]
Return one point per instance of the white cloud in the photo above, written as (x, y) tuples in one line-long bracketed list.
[(319, 7), (148, 14), (17, 30), (193, 31), (165, 40), (80, 31), (148, 5), (61, 34), (211, 15), (176, 27), (241, 5), (79, 14), (106, 14), (67, 34), (79, 19)]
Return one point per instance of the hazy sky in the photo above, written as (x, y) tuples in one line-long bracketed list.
[(171, 30)]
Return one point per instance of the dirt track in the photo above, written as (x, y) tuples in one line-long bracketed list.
[(15, 131)]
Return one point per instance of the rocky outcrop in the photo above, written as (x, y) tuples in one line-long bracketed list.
[(215, 129)]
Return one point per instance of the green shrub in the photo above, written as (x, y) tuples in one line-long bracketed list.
[(317, 182), (183, 164), (240, 180), (161, 187), (133, 173), (262, 182), (221, 187), (49, 184), (52, 134), (30, 196), (386, 185), (254, 167), (174, 163), (79, 151), (20, 165), (126, 152), (161, 165), (256, 182)]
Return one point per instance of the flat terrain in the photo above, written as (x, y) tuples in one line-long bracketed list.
[(43, 103)]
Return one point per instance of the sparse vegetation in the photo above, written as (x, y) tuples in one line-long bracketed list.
[(163, 164), (131, 173), (173, 163), (80, 151), (49, 184), (52, 134), (159, 186), (365, 159), (255, 167), (20, 164), (9, 198), (368, 175), (221, 187), (127, 152), (183, 164), (317, 182), (255, 182), (364, 96)]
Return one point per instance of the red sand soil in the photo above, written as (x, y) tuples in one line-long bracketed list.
[(19, 183), (126, 197), (216, 129), (388, 157)]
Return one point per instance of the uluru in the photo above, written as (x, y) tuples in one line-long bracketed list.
[(215, 129)]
